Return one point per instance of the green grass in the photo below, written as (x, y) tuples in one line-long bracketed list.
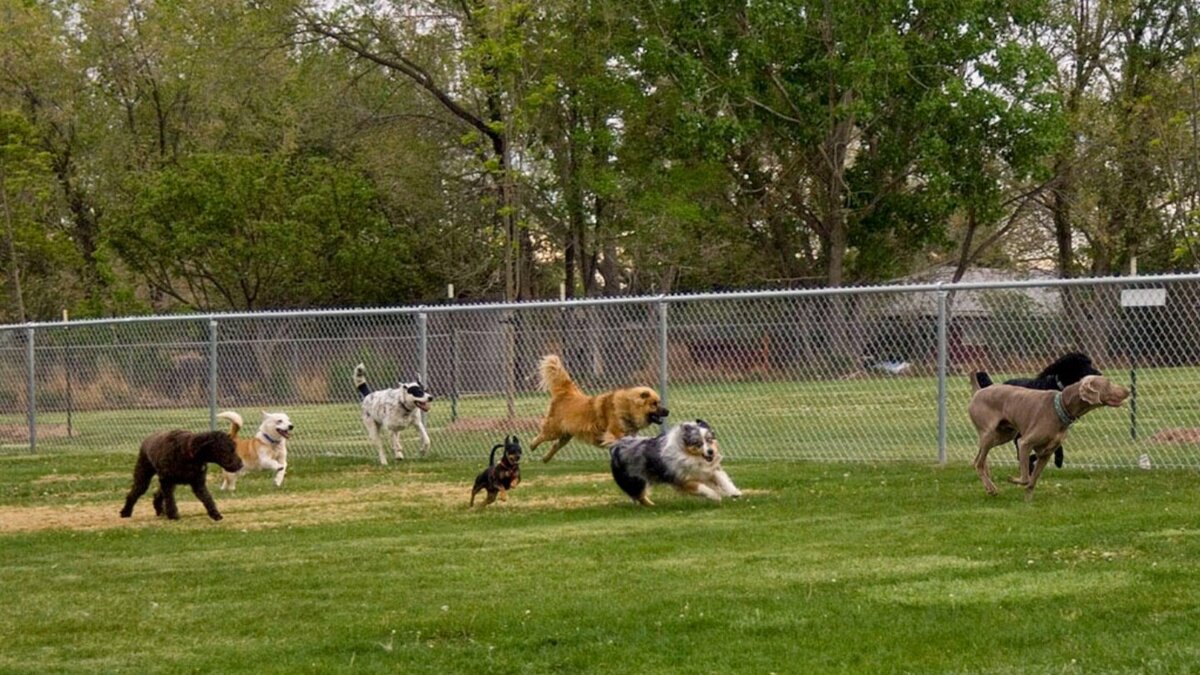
[(898, 567), (869, 419)]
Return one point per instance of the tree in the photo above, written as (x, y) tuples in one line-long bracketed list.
[(241, 232), (412, 47), (35, 253)]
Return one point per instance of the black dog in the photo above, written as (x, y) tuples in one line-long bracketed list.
[(180, 457), (1066, 370), (498, 479)]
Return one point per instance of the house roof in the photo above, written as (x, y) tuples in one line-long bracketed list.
[(1041, 300)]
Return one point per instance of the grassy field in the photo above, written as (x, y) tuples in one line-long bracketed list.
[(899, 567), (864, 420)]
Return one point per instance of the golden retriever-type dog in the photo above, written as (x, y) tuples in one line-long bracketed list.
[(1002, 412), (599, 420), (266, 449)]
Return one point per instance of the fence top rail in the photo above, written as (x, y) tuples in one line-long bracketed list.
[(624, 300)]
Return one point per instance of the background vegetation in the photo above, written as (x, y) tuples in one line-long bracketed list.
[(216, 154)]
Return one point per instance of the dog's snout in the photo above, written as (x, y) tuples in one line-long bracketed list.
[(291, 426)]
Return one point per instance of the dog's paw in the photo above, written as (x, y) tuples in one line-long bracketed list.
[(126, 514), (216, 516)]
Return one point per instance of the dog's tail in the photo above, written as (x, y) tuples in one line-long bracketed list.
[(980, 380), (554, 378), (492, 458), (360, 380), (235, 422)]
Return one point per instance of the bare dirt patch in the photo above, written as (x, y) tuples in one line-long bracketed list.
[(1179, 435), (262, 511), (72, 477), (20, 432)]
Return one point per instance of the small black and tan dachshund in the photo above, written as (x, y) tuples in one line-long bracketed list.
[(500, 477)]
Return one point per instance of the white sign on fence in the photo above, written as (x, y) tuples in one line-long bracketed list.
[(1143, 297)]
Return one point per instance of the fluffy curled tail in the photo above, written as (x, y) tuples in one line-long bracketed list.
[(360, 380), (235, 422), (553, 376)]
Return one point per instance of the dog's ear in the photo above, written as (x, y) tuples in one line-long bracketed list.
[(188, 448), (703, 424), (1090, 389)]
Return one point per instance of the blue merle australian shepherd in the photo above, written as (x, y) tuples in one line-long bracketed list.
[(684, 456)]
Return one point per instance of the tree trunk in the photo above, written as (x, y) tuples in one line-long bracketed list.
[(13, 262)]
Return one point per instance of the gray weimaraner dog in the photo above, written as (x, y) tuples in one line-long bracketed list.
[(1041, 418)]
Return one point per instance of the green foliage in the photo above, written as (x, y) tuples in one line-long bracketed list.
[(37, 254), (245, 232), (671, 144)]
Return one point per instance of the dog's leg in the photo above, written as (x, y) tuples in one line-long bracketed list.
[(503, 495), (702, 490), (267, 462), (279, 475), (206, 498), (168, 499), (725, 485), (158, 500), (228, 481), (981, 466), (143, 471), (644, 497), (1042, 461), (397, 446), (490, 498), (419, 421), (562, 440), (541, 438), (1024, 456), (474, 491), (373, 435)]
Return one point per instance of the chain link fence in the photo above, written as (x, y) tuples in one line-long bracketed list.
[(855, 375)]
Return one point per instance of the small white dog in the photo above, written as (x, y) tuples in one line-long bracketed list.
[(685, 456), (266, 450), (393, 409)]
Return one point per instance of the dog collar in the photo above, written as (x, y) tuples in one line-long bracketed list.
[(1061, 411), (272, 441)]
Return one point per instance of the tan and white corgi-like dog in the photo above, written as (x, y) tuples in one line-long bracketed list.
[(266, 450)]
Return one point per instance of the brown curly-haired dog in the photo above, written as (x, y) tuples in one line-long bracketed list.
[(180, 457)]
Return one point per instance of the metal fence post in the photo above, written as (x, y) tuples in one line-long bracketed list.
[(31, 388), (423, 353), (941, 372), (662, 352), (212, 374), (423, 348), (454, 374)]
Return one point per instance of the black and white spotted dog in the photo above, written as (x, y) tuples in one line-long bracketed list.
[(684, 456), (392, 409)]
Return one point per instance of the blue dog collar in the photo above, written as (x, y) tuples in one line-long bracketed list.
[(1063, 415), (273, 441)]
